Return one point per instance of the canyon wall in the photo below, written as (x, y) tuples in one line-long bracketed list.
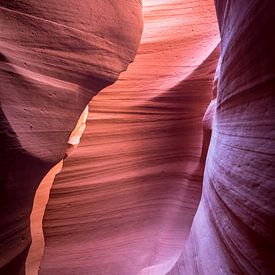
[(233, 230), (125, 199), (54, 57)]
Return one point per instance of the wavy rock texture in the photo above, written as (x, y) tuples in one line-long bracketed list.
[(54, 57), (125, 200), (126, 197), (233, 230), (40, 200), (42, 196)]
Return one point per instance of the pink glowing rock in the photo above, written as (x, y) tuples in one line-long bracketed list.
[(125, 199), (128, 199), (55, 56), (233, 230)]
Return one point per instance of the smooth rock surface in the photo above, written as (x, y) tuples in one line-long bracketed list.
[(233, 230), (42, 196), (125, 199), (54, 57)]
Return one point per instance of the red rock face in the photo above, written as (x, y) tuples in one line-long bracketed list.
[(126, 197), (55, 56), (233, 230)]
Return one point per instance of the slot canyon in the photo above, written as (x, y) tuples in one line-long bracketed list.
[(137, 137)]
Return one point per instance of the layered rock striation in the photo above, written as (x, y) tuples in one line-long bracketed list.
[(160, 183), (54, 57), (125, 199), (233, 230)]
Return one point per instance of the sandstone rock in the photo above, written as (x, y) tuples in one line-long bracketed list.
[(125, 199), (124, 202), (55, 56), (233, 230)]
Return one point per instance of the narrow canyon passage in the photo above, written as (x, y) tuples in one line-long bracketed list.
[(175, 106), (125, 199)]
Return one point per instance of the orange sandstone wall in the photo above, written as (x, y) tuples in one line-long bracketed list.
[(125, 200), (54, 57), (126, 197)]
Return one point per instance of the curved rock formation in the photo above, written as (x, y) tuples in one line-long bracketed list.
[(42, 196), (128, 200), (233, 230), (126, 197), (54, 57)]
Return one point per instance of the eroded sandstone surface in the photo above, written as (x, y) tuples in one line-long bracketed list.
[(233, 231), (174, 172), (126, 197), (55, 56)]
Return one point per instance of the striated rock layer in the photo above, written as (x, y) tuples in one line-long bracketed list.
[(126, 197), (125, 200), (233, 230), (42, 196), (54, 57)]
